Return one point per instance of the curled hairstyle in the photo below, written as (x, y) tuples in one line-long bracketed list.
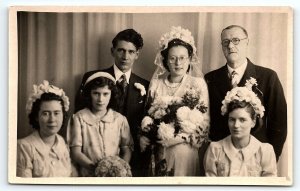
[(129, 35), (36, 106), (99, 83), (235, 104), (173, 43)]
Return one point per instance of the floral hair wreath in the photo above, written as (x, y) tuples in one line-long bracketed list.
[(44, 87), (176, 33), (244, 94)]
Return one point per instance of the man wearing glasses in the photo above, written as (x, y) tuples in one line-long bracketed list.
[(273, 127)]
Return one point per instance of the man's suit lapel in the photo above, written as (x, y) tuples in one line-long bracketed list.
[(223, 83), (133, 93), (249, 72)]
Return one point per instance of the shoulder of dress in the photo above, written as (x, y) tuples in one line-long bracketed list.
[(27, 143), (266, 147), (28, 139), (85, 115), (154, 84), (60, 138)]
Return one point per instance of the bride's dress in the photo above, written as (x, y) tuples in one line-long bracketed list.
[(181, 158)]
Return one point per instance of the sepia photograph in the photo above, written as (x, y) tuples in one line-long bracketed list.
[(150, 95)]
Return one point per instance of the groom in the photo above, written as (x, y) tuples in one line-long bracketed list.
[(238, 69), (125, 49)]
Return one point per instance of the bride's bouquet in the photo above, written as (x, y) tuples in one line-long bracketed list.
[(112, 166), (171, 116)]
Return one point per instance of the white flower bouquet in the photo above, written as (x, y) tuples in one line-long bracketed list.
[(112, 166), (177, 116)]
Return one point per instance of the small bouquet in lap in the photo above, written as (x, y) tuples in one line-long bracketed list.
[(112, 166)]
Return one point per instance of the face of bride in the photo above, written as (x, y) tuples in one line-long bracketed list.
[(178, 61)]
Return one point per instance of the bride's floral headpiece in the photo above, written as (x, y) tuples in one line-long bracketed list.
[(177, 33), (45, 87), (244, 94)]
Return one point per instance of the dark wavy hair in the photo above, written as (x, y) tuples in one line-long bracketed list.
[(99, 83), (36, 106), (129, 35), (235, 104), (173, 43)]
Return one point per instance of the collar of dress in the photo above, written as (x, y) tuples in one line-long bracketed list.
[(91, 119), (41, 147), (247, 151)]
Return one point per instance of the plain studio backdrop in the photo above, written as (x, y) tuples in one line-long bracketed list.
[(61, 47)]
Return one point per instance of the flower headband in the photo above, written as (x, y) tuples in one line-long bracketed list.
[(176, 33), (244, 94), (37, 92), (100, 74)]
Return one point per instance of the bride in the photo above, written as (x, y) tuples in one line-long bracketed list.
[(178, 70)]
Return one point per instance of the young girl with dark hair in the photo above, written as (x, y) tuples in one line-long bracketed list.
[(98, 131)]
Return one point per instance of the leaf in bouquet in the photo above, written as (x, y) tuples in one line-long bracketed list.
[(191, 99), (202, 107)]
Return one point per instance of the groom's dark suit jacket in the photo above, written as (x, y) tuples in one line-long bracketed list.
[(134, 112), (274, 128)]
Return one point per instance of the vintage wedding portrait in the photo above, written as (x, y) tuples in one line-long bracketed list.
[(194, 96)]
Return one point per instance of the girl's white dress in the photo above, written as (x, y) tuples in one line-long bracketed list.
[(182, 158), (98, 137), (256, 159)]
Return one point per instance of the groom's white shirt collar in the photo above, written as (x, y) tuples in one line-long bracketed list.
[(119, 73)]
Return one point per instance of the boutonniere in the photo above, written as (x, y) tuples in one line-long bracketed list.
[(252, 84), (141, 88)]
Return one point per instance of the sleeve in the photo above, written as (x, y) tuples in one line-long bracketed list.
[(151, 94), (126, 138), (24, 159), (268, 161), (276, 115), (74, 135), (210, 160), (205, 99)]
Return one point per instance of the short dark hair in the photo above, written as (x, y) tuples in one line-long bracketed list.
[(175, 42), (235, 104), (99, 83), (36, 106), (129, 35), (236, 26)]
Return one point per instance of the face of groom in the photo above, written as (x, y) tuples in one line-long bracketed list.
[(125, 54)]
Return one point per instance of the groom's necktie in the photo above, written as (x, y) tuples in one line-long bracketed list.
[(233, 78), (123, 83)]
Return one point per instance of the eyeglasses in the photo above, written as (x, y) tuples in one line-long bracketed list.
[(181, 59), (235, 41)]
